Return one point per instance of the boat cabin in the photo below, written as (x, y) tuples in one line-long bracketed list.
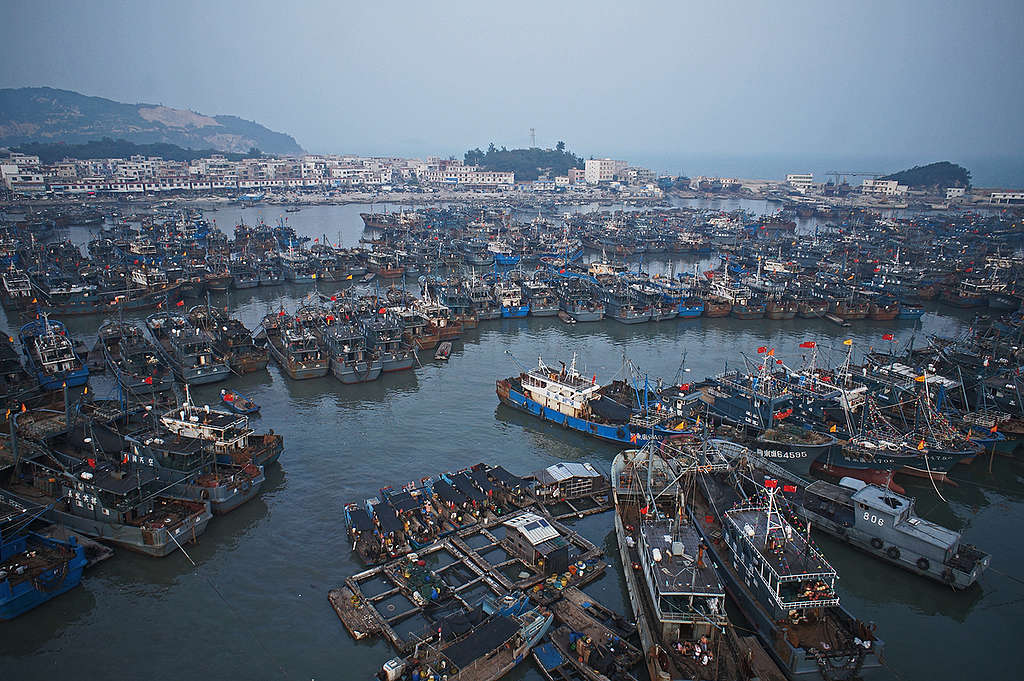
[(785, 573), (688, 598)]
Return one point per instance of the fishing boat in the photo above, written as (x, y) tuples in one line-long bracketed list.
[(33, 569), (383, 335), (785, 588), (231, 339), (611, 412), (184, 466), (479, 643), (622, 303), (350, 359), (540, 298), (675, 592), (882, 523), (227, 435), (50, 354), (187, 350), (238, 403), (444, 351), (133, 359), (576, 299), (510, 300), (119, 503), (294, 347), (16, 289)]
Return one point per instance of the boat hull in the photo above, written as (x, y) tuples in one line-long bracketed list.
[(618, 433)]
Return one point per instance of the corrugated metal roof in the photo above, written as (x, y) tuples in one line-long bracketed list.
[(566, 470), (533, 527)]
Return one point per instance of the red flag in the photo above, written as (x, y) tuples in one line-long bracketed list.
[(887, 336), (709, 518), (180, 303), (383, 310), (316, 241), (807, 344), (91, 462), (789, 488), (334, 298), (124, 459), (229, 397), (148, 380), (771, 353), (778, 361), (771, 484), (994, 429), (761, 350), (281, 313), (643, 511)]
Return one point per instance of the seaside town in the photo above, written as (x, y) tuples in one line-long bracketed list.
[(713, 375), (323, 178)]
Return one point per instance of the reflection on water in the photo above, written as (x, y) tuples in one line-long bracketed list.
[(255, 606)]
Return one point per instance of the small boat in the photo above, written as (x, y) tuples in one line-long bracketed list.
[(368, 277), (51, 355), (444, 351), (566, 317), (33, 568), (238, 403)]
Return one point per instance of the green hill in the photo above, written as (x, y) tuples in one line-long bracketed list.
[(52, 152), (933, 176), (47, 115), (527, 164)]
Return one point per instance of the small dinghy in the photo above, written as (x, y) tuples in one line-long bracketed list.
[(238, 403), (444, 351)]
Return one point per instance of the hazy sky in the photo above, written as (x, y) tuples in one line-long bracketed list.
[(912, 79)]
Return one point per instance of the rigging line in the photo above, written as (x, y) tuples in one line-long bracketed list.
[(229, 605)]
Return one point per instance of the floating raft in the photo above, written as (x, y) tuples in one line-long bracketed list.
[(401, 599)]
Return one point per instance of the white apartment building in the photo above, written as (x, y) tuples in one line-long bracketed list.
[(597, 170), (884, 187), (1007, 197), (801, 182), (954, 193)]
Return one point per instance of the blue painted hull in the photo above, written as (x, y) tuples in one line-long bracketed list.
[(620, 434), (515, 312), (24, 596), (691, 311), (74, 379)]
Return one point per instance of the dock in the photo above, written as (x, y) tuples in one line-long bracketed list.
[(400, 600)]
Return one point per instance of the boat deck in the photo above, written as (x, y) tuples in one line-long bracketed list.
[(790, 559)]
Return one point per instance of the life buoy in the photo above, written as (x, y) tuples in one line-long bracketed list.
[(893, 553), (876, 542), (923, 564)]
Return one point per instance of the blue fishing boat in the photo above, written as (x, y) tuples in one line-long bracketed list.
[(510, 299), (238, 403), (33, 569), (616, 412), (51, 355)]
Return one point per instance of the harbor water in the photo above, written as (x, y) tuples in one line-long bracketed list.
[(249, 600)]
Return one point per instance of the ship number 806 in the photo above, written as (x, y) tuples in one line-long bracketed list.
[(871, 518)]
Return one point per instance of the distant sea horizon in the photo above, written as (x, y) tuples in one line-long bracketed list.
[(989, 172)]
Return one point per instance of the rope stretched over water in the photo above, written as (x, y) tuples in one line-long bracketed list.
[(230, 607)]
